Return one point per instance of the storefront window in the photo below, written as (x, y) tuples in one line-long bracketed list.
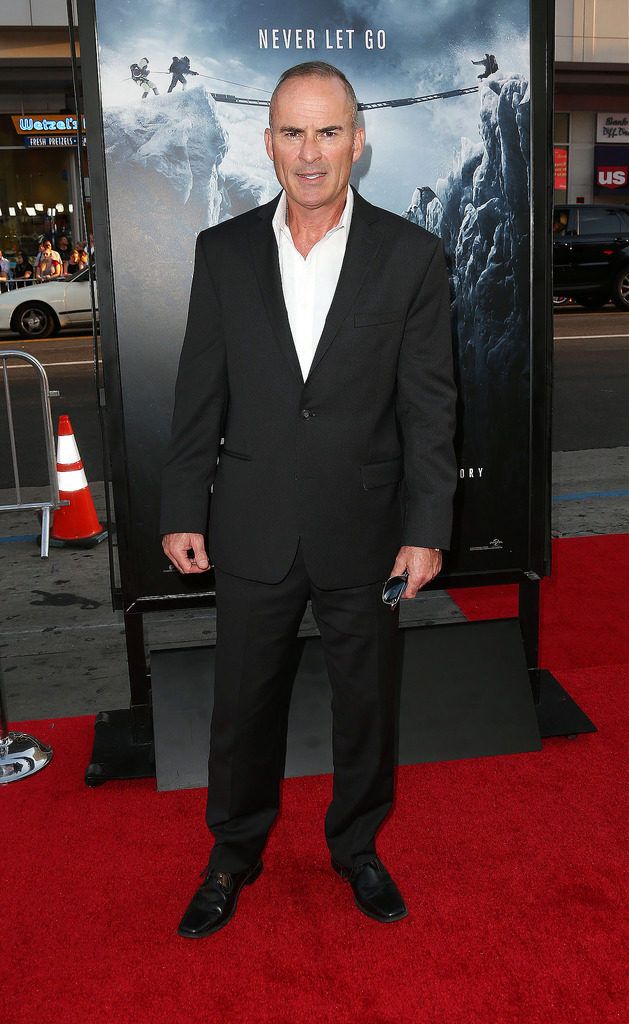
[(37, 197), (34, 198), (561, 128)]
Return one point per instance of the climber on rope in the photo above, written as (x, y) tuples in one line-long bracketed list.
[(179, 68), (490, 64), (140, 75)]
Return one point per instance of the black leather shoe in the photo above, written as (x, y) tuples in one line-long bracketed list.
[(214, 903), (375, 892)]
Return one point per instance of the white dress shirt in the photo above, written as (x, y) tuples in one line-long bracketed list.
[(309, 284)]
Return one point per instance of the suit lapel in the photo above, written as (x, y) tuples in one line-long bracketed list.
[(267, 266), (363, 246)]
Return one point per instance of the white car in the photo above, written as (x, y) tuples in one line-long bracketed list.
[(39, 310)]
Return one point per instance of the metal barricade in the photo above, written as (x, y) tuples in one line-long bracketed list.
[(53, 501)]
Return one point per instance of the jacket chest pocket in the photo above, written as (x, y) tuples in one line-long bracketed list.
[(379, 318)]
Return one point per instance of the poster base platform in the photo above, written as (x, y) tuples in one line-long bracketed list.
[(464, 692), (123, 746), (557, 712)]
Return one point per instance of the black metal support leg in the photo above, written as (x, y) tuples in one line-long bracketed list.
[(557, 713), (123, 740), (528, 614)]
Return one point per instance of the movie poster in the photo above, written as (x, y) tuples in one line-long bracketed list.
[(443, 89)]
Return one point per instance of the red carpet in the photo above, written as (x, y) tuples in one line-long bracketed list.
[(584, 604), (513, 869)]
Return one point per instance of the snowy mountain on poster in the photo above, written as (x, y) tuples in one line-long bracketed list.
[(166, 167), (172, 145), (481, 212)]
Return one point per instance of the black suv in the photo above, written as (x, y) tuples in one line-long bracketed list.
[(591, 255)]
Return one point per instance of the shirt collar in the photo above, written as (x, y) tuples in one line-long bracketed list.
[(280, 225)]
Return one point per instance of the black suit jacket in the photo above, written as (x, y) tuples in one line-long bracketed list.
[(355, 460)]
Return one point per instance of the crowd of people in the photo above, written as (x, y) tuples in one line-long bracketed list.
[(62, 261)]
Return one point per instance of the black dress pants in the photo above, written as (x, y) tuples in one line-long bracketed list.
[(257, 626)]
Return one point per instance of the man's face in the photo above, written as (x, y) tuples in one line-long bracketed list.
[(312, 143)]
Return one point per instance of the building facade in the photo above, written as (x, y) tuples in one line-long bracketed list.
[(591, 136), (40, 168), (40, 187)]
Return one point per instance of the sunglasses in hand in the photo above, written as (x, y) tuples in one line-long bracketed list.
[(394, 588)]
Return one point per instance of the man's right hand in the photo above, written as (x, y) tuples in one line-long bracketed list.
[(176, 547)]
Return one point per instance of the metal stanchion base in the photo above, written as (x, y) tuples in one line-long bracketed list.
[(22, 755), (123, 746)]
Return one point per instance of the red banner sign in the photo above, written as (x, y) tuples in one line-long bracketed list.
[(561, 167)]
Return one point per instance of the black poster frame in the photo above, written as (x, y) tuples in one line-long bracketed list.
[(124, 746), (127, 592)]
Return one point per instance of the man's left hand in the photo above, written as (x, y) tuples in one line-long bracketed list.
[(422, 564)]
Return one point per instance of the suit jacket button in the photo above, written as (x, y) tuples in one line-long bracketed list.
[(306, 414)]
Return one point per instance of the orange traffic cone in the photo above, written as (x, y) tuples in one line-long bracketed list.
[(76, 524)]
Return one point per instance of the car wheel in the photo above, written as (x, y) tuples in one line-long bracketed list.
[(34, 320), (620, 290), (592, 301)]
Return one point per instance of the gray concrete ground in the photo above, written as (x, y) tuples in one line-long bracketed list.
[(590, 492), (62, 647)]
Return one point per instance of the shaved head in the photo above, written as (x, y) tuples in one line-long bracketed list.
[(315, 69)]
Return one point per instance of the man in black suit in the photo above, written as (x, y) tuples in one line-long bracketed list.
[(318, 345)]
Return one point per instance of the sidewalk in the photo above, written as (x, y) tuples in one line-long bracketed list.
[(63, 648)]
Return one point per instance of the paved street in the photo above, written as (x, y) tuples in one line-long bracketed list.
[(591, 385), (69, 363)]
